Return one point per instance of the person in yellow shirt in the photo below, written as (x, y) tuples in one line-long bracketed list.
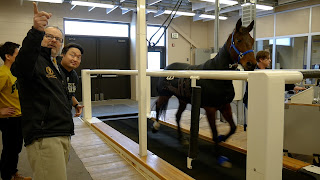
[(10, 115)]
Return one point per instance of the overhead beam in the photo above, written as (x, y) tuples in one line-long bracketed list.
[(213, 7), (125, 11), (229, 9), (109, 10), (197, 17), (90, 8), (152, 2), (175, 16), (159, 12), (72, 7), (196, 6)]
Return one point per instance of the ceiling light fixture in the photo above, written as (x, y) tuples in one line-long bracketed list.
[(259, 6), (91, 4), (49, 1), (227, 2), (207, 16)]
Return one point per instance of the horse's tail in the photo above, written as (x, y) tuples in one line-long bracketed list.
[(161, 105)]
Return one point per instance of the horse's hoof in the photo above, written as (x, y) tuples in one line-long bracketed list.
[(184, 141), (155, 127), (221, 138), (154, 130), (224, 162)]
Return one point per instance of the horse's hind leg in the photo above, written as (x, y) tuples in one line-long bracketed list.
[(227, 114), (161, 105), (182, 107), (211, 116)]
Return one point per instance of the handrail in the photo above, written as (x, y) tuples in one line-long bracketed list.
[(289, 76)]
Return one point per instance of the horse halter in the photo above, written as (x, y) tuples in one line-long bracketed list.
[(240, 54)]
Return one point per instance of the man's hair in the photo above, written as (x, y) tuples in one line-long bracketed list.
[(56, 28), (8, 48), (262, 55), (71, 45)]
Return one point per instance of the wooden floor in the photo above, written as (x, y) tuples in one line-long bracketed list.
[(100, 160)]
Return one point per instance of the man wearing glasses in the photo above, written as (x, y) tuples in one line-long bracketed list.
[(47, 122)]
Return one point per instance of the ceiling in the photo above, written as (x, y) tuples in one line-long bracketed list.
[(203, 7), (196, 7)]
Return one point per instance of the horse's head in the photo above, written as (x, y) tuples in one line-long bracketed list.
[(241, 45)]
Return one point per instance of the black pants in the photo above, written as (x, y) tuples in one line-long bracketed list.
[(12, 146)]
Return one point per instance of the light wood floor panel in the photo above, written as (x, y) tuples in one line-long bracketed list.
[(100, 160)]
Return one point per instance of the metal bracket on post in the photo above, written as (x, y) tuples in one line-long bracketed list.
[(195, 113), (194, 80)]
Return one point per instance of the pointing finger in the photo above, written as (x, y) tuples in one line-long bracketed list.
[(43, 13), (35, 8)]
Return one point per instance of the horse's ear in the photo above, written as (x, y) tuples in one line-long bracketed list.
[(239, 24), (250, 27)]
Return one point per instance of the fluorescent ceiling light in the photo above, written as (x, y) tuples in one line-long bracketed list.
[(227, 2), (49, 1), (180, 13), (259, 6), (91, 4), (207, 16)]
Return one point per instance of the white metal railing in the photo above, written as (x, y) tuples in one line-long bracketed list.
[(265, 112)]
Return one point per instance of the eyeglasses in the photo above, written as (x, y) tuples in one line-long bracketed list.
[(50, 37)]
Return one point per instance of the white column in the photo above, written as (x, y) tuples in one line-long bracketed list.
[(86, 95), (148, 95), (265, 126), (142, 64)]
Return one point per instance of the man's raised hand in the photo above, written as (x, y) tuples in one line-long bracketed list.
[(40, 19)]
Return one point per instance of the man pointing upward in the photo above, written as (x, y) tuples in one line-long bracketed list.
[(47, 122)]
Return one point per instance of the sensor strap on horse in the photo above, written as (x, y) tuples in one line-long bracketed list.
[(240, 54)]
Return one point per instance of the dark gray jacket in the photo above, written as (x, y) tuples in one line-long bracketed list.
[(43, 92)]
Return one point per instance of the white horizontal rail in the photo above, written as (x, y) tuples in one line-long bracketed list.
[(289, 76)]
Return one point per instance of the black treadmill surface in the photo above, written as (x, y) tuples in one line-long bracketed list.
[(166, 145)]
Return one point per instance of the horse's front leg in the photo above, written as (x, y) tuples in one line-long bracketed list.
[(182, 107), (211, 116), (227, 114)]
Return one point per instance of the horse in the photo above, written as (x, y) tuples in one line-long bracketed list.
[(215, 94)]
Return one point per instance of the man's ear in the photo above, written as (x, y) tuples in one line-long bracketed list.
[(7, 56)]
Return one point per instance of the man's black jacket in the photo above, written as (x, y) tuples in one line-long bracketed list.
[(43, 93)]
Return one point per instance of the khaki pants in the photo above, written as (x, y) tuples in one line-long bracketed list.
[(48, 158)]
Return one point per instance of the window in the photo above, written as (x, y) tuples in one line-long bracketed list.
[(151, 30), (265, 46), (294, 56), (281, 41), (154, 60), (96, 28), (315, 52)]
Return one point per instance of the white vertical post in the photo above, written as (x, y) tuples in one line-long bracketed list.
[(142, 64), (148, 95), (265, 126), (86, 95)]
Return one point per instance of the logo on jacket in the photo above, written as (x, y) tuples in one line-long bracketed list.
[(72, 87), (50, 73)]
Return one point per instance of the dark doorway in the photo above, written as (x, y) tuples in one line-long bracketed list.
[(104, 53)]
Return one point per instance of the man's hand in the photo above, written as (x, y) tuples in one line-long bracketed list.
[(78, 110), (40, 19), (298, 88), (7, 112)]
